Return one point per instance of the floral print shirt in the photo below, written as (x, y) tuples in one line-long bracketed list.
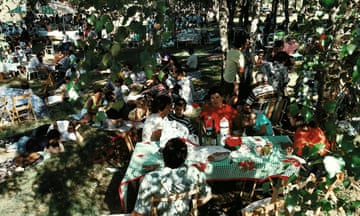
[(162, 183), (278, 76)]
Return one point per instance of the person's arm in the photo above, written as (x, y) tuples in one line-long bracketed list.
[(204, 190), (241, 64), (261, 132)]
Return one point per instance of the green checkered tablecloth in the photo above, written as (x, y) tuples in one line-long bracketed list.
[(268, 166), (147, 154)]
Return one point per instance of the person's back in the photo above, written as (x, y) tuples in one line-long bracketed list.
[(277, 72), (261, 94), (192, 61), (234, 60), (174, 179)]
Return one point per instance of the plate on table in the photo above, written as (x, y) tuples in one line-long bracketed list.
[(209, 153), (243, 150), (218, 156), (301, 160)]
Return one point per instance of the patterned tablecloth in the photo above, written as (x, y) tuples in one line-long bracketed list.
[(234, 166)]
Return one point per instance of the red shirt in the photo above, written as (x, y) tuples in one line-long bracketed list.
[(310, 137), (218, 113)]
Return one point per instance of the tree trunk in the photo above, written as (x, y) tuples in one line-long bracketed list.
[(274, 10), (245, 11), (223, 28), (231, 8), (287, 19)]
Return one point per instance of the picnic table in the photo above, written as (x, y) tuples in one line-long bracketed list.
[(230, 167), (188, 38)]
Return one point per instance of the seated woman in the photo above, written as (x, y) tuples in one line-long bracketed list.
[(153, 124), (256, 123), (309, 135), (174, 178), (217, 109), (92, 106), (141, 111)]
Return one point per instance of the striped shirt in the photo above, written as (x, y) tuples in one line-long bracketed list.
[(183, 120), (261, 96)]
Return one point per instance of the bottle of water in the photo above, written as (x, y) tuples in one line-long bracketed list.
[(224, 130)]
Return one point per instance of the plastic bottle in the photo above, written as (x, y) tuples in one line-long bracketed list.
[(210, 132), (224, 130)]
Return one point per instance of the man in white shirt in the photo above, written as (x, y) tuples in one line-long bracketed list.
[(153, 124)]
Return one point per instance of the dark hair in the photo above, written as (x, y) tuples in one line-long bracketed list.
[(129, 66), (240, 39), (282, 57), (174, 153), (53, 137), (216, 89), (160, 103), (120, 80), (53, 134), (278, 43), (180, 102), (191, 51), (96, 90)]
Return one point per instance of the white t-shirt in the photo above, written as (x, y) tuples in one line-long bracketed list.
[(152, 123)]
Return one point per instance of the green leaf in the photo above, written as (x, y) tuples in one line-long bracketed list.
[(266, 187), (106, 59), (291, 202), (166, 36), (330, 106), (343, 51), (355, 204), (121, 34), (307, 114), (315, 149), (333, 165), (115, 49), (346, 183), (326, 205), (328, 4), (346, 143), (292, 178), (355, 161), (91, 19), (355, 74), (161, 5), (80, 44), (351, 48), (105, 44), (294, 109), (99, 26), (105, 18), (109, 26)]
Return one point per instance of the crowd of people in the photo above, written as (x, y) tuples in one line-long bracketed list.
[(250, 83)]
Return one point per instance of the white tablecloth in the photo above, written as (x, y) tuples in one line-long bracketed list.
[(8, 67)]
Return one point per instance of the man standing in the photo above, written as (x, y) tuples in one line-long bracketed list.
[(234, 69)]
